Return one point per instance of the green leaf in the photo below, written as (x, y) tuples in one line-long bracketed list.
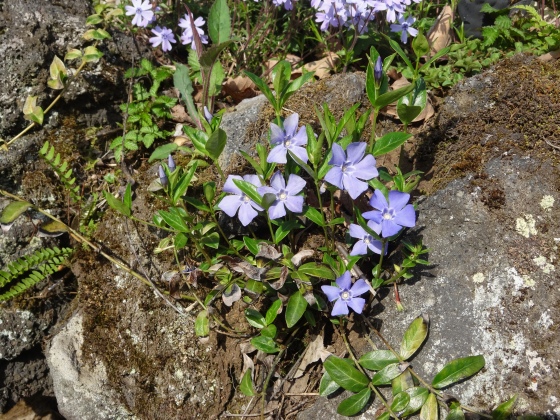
[(285, 227), (246, 385), (197, 204), (504, 410), (269, 331), (263, 87), (116, 204), (400, 401), (411, 105), (255, 318), (13, 210), (420, 45), (219, 24), (414, 337), (327, 386), (91, 54), (392, 96), (314, 215), (211, 241), (455, 414), (266, 344), (182, 82), (181, 186), (174, 218), (343, 372), (389, 142), (457, 370), (378, 359), (388, 373), (31, 111), (318, 270), (402, 382), (249, 189), (354, 404), (162, 152), (201, 326), (251, 244), (295, 309), (281, 77), (417, 398), (216, 143), (272, 312), (430, 409)]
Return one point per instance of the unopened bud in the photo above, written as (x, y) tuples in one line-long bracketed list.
[(207, 115), (378, 71), (171, 163), (162, 177)]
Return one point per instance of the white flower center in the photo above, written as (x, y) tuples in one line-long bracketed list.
[(366, 240), (245, 199), (287, 143), (346, 167), (388, 214), (282, 195), (345, 295)]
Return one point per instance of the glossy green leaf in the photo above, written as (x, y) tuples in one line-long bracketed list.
[(343, 372), (392, 96), (246, 385), (402, 382), (183, 83), (263, 87), (411, 105), (13, 210), (201, 326), (504, 410), (327, 385), (249, 189), (388, 373), (211, 241), (318, 270), (420, 45), (116, 204), (418, 396), (430, 409), (281, 74), (414, 337), (269, 331), (52, 229), (251, 244), (91, 54), (219, 23), (216, 143), (384, 416), (314, 215), (400, 401), (272, 312), (389, 142), (295, 309), (284, 229), (354, 404), (255, 318), (378, 359), (265, 344), (174, 218), (455, 414), (457, 370), (162, 152)]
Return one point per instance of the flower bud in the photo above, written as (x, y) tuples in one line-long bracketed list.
[(207, 115), (171, 163), (162, 177), (378, 71)]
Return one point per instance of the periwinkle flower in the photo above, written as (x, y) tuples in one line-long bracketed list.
[(290, 138), (366, 241), (405, 28), (142, 11), (346, 295), (394, 214), (207, 115), (285, 194), (162, 177), (164, 37), (350, 168), (187, 37), (239, 201), (171, 163), (287, 4)]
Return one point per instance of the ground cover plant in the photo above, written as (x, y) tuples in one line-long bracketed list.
[(292, 187)]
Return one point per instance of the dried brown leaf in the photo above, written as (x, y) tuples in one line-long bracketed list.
[(240, 88), (312, 354), (440, 34), (323, 66)]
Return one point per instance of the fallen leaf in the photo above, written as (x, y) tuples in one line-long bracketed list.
[(301, 255), (277, 285), (553, 55), (240, 88), (391, 109), (268, 251), (312, 354), (231, 296), (440, 34), (249, 270), (179, 114), (323, 66)]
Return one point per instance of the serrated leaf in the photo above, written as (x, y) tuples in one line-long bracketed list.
[(343, 372), (295, 309), (430, 409), (504, 410), (354, 404), (457, 370), (414, 337), (378, 359), (246, 385), (201, 325)]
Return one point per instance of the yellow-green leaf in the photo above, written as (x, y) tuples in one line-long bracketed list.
[(414, 337)]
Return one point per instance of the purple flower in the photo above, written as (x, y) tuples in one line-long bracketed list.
[(142, 11), (171, 163), (392, 8), (378, 71), (287, 139), (287, 4), (207, 115), (406, 27), (230, 204), (346, 295), (365, 239), (285, 194), (164, 37), (187, 37), (392, 215), (162, 177), (349, 170)]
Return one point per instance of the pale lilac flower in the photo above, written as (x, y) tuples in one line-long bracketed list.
[(285, 194), (171, 163), (349, 170), (287, 4), (392, 8), (394, 214), (164, 37), (207, 115), (238, 201), (162, 177), (405, 27), (287, 139), (187, 37), (142, 11), (378, 71), (345, 294), (366, 241)]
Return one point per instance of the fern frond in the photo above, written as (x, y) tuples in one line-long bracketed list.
[(60, 166), (29, 270)]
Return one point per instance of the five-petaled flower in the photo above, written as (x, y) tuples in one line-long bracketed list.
[(345, 294), (405, 28), (351, 167), (365, 239), (187, 37), (287, 139), (142, 11), (394, 214), (285, 194), (230, 204), (164, 37)]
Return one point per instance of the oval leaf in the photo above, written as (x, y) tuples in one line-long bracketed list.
[(273, 311), (388, 373), (400, 402), (455, 414), (389, 142), (255, 318), (246, 385), (418, 397), (13, 210), (504, 410), (201, 324), (457, 370), (295, 309), (430, 409), (355, 403), (327, 385), (345, 374), (414, 337), (265, 344), (378, 359)]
